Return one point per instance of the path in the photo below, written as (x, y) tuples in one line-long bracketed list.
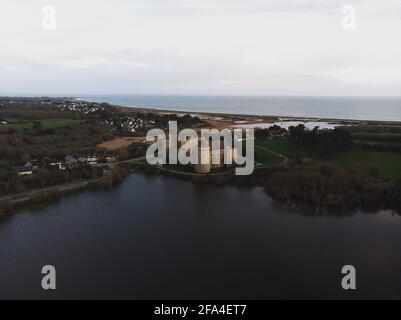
[(285, 159), (25, 196)]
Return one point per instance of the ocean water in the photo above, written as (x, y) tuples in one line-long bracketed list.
[(355, 108)]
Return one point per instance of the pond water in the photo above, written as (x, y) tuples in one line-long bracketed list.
[(161, 238)]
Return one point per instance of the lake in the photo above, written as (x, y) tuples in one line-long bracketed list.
[(355, 108), (157, 237)]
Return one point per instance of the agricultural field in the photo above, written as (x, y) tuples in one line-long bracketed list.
[(59, 123), (267, 158), (281, 146), (388, 164), (19, 124)]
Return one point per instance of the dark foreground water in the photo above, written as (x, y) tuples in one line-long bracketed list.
[(155, 237), (356, 108)]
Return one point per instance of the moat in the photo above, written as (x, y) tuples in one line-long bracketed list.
[(157, 237)]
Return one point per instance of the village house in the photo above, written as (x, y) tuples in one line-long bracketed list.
[(25, 170), (89, 159), (70, 162), (109, 159), (58, 165)]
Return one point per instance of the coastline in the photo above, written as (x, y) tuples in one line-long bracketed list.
[(264, 116), (217, 120), (248, 117), (12, 204), (229, 120)]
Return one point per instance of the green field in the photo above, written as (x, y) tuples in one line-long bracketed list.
[(387, 163), (376, 134), (281, 146), (267, 158), (46, 123), (59, 123)]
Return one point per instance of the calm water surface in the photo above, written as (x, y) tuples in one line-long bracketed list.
[(356, 108), (155, 237)]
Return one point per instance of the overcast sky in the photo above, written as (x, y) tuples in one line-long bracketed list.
[(245, 47)]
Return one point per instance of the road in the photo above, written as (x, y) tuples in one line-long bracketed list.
[(25, 196), (285, 159)]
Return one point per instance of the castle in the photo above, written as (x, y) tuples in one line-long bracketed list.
[(214, 158)]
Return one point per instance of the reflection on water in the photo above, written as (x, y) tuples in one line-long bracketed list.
[(155, 237)]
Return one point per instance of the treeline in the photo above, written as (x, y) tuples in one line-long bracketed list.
[(10, 183), (330, 187), (387, 138), (134, 150), (378, 141), (317, 142), (32, 109), (374, 128), (17, 147), (379, 146), (110, 178), (107, 179), (271, 132), (149, 120), (326, 188), (320, 142)]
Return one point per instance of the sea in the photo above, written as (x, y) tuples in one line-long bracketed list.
[(349, 108)]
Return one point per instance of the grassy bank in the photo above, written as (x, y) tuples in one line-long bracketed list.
[(388, 164), (8, 204), (281, 146)]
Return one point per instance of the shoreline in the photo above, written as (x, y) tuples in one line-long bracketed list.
[(265, 117), (228, 120), (216, 120), (255, 118), (12, 204)]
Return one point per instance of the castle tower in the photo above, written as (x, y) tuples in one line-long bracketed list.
[(204, 153)]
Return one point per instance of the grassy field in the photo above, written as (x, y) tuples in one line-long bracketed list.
[(267, 158), (387, 163), (284, 147), (376, 134), (59, 123), (46, 123)]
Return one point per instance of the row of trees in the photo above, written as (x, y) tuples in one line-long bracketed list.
[(18, 147), (134, 150), (271, 132), (10, 183), (386, 137), (321, 142), (332, 187), (317, 142), (381, 147), (32, 108)]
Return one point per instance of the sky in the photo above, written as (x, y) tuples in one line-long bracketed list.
[(200, 47)]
